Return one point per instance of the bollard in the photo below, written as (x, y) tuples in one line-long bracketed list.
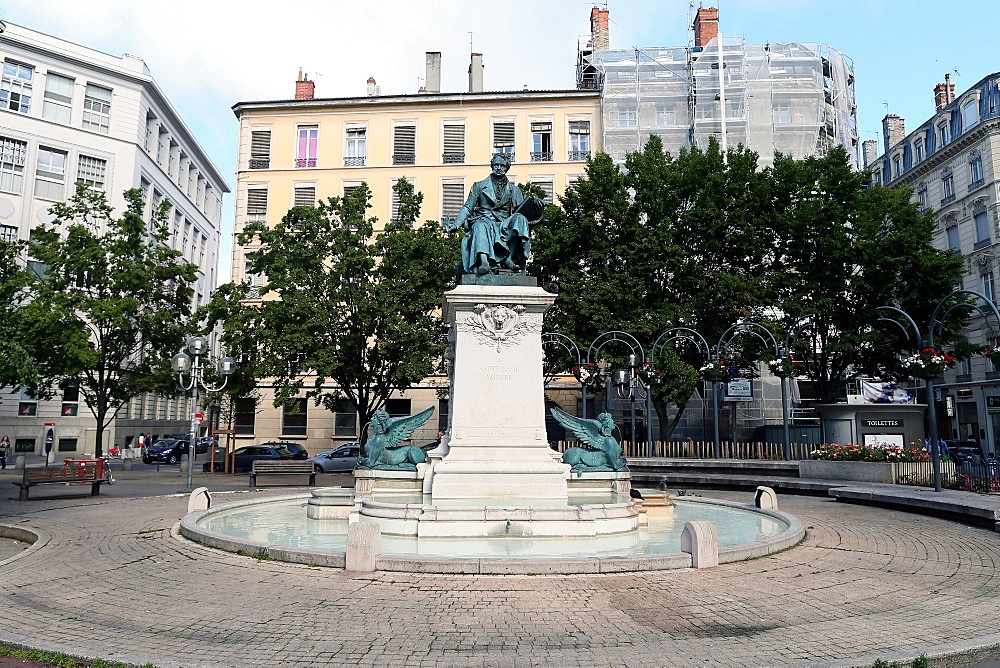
[(19, 462), (701, 541), (364, 545), (184, 464), (127, 464), (766, 498), (199, 499)]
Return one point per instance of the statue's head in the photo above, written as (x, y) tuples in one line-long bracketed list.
[(500, 164), (607, 423), (379, 421)]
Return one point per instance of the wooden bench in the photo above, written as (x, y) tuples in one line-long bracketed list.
[(74, 474), (282, 467)]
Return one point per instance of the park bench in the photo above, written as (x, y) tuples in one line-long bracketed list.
[(71, 474), (281, 467)]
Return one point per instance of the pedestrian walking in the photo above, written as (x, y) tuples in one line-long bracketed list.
[(5, 451)]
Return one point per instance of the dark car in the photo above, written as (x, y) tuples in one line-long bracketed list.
[(164, 451), (202, 444), (243, 458), (966, 452), (341, 458), (297, 451)]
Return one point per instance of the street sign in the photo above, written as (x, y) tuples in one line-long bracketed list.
[(739, 390), (199, 417)]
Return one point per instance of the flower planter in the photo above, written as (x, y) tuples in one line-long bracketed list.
[(883, 472)]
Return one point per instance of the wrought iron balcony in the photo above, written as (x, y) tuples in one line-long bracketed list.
[(576, 156), (981, 244), (947, 199), (978, 183), (305, 162), (260, 163), (404, 158), (541, 156), (354, 162), (452, 158)]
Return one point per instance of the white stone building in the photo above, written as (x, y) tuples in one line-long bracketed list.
[(68, 114)]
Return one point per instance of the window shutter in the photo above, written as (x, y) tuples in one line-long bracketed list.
[(257, 202), (452, 198), (454, 144), (579, 127), (305, 195), (547, 187), (260, 149), (503, 135), (348, 190), (404, 150), (545, 126)]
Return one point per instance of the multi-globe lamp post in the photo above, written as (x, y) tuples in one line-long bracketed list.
[(190, 365)]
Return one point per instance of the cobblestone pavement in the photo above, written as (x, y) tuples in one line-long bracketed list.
[(866, 583)]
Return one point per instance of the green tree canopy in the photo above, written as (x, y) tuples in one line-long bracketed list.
[(111, 305), (349, 312)]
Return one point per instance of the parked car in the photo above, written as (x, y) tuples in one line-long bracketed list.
[(342, 458), (965, 453), (243, 458), (164, 451), (203, 443), (298, 452)]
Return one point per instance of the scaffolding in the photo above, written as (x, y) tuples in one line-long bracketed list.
[(794, 98)]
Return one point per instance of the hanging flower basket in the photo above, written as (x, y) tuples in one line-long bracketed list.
[(928, 363), (783, 367), (715, 371), (650, 375), (991, 353), (589, 375)]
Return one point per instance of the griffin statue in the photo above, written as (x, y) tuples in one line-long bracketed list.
[(383, 452), (600, 451)]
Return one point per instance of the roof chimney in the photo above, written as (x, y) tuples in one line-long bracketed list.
[(476, 73), (869, 149), (432, 76), (304, 88), (893, 131), (944, 93), (599, 36), (372, 88), (706, 25)]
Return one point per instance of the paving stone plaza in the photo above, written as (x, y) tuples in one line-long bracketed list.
[(114, 581)]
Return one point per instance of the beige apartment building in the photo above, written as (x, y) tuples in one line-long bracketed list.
[(297, 151)]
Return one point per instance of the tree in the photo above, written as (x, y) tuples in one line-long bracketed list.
[(111, 305), (846, 249), (17, 367), (345, 304), (664, 243)]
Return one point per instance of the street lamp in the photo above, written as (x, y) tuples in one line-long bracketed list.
[(937, 324), (686, 335), (182, 364), (629, 386), (767, 338), (633, 346)]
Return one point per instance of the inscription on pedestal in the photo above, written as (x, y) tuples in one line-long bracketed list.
[(500, 372)]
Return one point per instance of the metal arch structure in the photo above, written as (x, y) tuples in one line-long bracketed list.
[(680, 334), (723, 345), (791, 336), (569, 345), (936, 324), (617, 336)]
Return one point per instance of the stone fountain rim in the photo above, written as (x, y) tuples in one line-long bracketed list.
[(189, 528)]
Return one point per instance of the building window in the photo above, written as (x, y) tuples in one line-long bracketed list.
[(256, 203), (97, 109), (944, 133), (357, 147), (28, 405), (579, 140), (627, 118), (452, 198), (951, 232), (982, 227), (404, 145), (92, 171), (58, 102), (293, 417), (345, 419), (975, 170), (67, 444), (541, 141), (260, 149), (394, 206), (897, 166), (970, 114), (15, 86), (308, 143), (70, 401), (547, 187), (443, 409), (50, 174), (986, 285), (8, 233), (245, 414), (922, 197), (918, 151), (454, 144), (12, 157), (161, 145), (304, 196), (947, 187), (503, 138), (397, 407)]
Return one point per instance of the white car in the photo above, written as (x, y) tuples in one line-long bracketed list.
[(341, 459)]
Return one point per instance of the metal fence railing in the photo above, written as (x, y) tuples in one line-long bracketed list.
[(692, 449)]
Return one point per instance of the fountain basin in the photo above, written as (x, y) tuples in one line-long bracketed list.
[(278, 528)]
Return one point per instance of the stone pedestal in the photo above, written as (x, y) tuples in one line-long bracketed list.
[(497, 447)]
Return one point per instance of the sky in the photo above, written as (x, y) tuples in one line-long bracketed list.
[(208, 55)]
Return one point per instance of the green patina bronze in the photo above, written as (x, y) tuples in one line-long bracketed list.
[(383, 452), (600, 451), (496, 218)]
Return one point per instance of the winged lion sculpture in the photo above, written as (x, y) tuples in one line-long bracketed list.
[(383, 451), (600, 452)]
